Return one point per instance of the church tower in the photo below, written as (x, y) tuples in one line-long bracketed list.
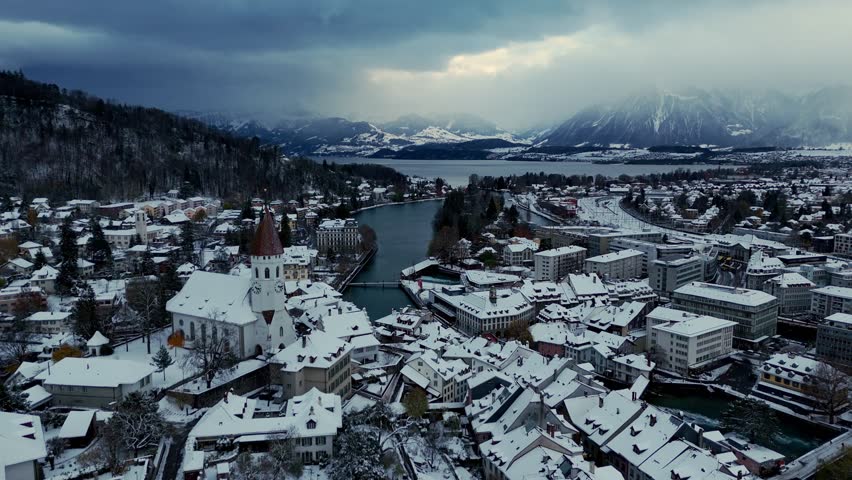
[(141, 225), (267, 287)]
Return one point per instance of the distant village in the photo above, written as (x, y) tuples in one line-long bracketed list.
[(190, 338)]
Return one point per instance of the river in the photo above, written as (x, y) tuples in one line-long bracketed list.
[(403, 232), (457, 172)]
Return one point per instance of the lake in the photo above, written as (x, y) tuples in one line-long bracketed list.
[(457, 172)]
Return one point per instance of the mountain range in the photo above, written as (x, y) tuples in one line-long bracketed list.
[(691, 117)]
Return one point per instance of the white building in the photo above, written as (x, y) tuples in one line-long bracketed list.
[(142, 231), (338, 235), (553, 265), (310, 422), (519, 253), (619, 265), (666, 276), (491, 312), (49, 322), (793, 292), (95, 382), (447, 377), (829, 300), (682, 342), (755, 312), (249, 313)]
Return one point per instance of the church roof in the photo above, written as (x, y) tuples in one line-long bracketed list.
[(266, 242)]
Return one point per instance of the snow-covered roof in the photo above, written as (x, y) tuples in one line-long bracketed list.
[(310, 415), (97, 340), (77, 424), (21, 439), (738, 296), (316, 350), (96, 372), (215, 295)]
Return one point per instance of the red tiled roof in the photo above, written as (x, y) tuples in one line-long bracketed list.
[(266, 240)]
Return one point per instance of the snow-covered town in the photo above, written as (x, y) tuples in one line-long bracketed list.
[(478, 240), (172, 338)]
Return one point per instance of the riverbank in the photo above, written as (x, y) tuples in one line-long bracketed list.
[(704, 404), (388, 204)]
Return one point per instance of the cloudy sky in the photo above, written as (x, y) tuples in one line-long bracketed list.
[(517, 62)]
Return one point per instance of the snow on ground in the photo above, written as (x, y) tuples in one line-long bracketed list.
[(137, 350), (173, 412)]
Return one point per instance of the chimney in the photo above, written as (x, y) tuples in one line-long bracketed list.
[(700, 437), (600, 402), (304, 341), (492, 295), (653, 419), (633, 396), (226, 397), (591, 466)]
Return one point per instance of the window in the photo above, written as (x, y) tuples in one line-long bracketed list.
[(281, 331), (266, 272), (312, 424), (192, 330)]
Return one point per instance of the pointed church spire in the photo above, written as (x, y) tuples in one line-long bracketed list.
[(266, 242)]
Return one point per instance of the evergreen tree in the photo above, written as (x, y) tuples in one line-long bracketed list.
[(146, 265), (39, 261), (187, 243), (86, 319), (99, 249), (358, 454), (248, 212), (162, 360), (284, 233), (753, 419), (68, 273)]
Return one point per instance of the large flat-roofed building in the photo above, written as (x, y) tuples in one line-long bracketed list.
[(599, 242), (834, 339), (829, 300), (685, 342), (666, 276), (553, 265), (755, 312), (616, 266)]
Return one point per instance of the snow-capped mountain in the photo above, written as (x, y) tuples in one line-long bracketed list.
[(713, 117), (338, 136)]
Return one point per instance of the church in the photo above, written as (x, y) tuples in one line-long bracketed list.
[(248, 313)]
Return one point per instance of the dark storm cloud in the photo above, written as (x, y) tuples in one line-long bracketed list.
[(322, 55)]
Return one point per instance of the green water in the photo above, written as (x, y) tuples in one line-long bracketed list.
[(403, 232), (796, 437)]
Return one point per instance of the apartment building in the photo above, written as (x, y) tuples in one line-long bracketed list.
[(666, 276), (553, 265), (755, 312), (834, 338), (684, 344), (793, 292), (617, 265), (829, 300)]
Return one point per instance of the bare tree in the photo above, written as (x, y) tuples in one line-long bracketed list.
[(829, 386), (16, 342), (143, 296), (212, 352)]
